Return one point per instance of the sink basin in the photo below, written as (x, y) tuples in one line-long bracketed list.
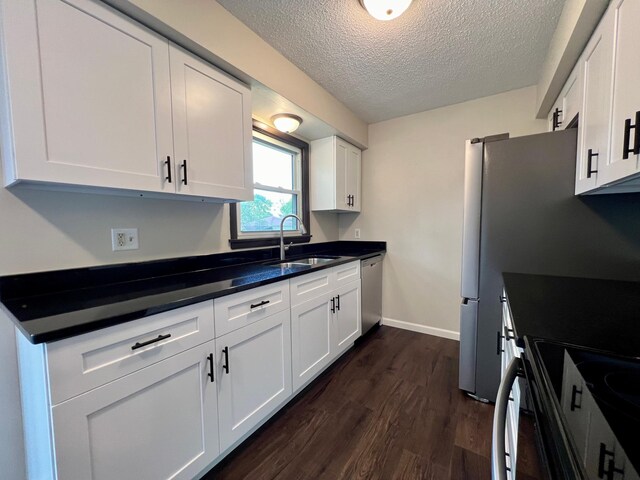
[(308, 261)]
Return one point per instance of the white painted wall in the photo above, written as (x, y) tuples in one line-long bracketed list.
[(412, 192)]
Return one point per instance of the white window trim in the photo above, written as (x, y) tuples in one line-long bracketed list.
[(297, 172)]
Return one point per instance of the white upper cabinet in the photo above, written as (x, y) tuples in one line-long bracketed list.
[(608, 159), (93, 99), (593, 136), (89, 94), (625, 131), (567, 105), (335, 175), (211, 129)]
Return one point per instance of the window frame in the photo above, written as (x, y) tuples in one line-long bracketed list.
[(264, 239)]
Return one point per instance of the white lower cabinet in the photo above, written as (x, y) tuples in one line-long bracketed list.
[(157, 423), (324, 327), (311, 338), (347, 318), (253, 374)]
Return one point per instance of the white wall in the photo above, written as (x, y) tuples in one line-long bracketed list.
[(45, 230), (412, 183)]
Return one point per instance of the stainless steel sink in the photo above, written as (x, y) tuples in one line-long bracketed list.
[(308, 261)]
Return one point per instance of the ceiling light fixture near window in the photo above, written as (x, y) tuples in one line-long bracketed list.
[(385, 9), (286, 122)]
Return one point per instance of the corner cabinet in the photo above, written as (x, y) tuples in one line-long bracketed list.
[(335, 175), (91, 98), (608, 159)]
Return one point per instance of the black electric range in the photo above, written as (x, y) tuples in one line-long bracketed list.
[(594, 399), (581, 341)]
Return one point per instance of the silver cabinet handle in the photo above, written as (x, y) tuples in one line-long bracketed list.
[(498, 450)]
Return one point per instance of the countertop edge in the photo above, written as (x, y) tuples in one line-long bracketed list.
[(161, 306)]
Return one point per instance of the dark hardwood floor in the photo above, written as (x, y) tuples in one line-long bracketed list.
[(388, 409)]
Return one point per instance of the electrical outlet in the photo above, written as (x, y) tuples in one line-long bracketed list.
[(357, 233), (124, 239)]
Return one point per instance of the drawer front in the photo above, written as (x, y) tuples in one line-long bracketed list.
[(312, 285), (346, 273), (79, 364), (244, 308)]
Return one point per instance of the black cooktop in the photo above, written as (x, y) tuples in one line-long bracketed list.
[(597, 397)]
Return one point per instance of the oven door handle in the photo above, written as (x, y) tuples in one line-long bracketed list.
[(498, 450)]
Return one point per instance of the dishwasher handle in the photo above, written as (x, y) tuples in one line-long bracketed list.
[(498, 448), (372, 261)]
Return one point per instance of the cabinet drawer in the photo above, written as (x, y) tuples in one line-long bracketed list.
[(79, 364), (346, 273), (240, 309), (312, 285)]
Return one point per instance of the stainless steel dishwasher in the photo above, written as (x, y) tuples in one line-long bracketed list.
[(371, 272)]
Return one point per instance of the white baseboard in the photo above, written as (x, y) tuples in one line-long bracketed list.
[(414, 327)]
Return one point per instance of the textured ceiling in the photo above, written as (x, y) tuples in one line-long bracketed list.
[(440, 52)]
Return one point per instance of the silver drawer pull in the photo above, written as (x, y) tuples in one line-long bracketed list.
[(149, 342)]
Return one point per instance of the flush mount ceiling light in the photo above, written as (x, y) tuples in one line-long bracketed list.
[(385, 9), (286, 122)]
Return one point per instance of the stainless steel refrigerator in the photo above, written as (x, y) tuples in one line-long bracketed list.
[(521, 215)]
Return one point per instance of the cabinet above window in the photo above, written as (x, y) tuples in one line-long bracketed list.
[(93, 99)]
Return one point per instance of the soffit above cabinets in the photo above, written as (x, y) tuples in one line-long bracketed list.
[(266, 103), (439, 52)]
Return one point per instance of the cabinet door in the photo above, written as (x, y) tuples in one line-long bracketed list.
[(571, 97), (253, 375), (91, 96), (593, 141), (157, 423), (311, 340), (212, 130), (348, 321), (352, 174), (626, 95), (342, 163), (576, 404)]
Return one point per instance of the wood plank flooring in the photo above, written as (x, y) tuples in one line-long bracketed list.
[(388, 409)]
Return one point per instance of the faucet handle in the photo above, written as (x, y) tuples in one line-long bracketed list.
[(286, 247)]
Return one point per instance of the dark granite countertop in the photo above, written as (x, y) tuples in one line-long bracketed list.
[(592, 313), (49, 306)]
